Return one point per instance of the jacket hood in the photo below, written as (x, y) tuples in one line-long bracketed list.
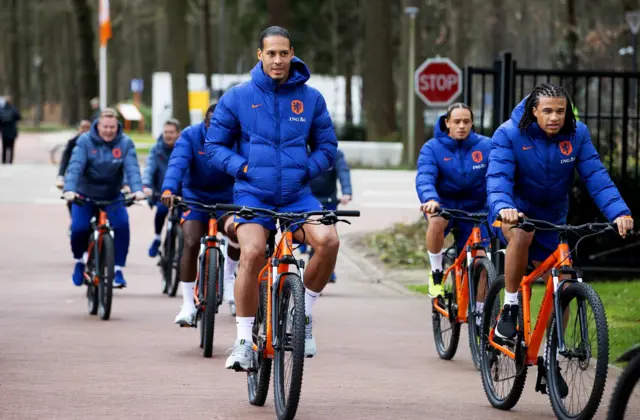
[(298, 74)]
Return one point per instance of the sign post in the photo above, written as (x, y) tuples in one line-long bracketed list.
[(438, 82), (411, 100)]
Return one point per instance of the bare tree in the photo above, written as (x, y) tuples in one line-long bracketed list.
[(177, 21), (88, 65), (278, 12)]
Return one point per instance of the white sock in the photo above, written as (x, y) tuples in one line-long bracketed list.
[(310, 298), (187, 294), (244, 327), (85, 257), (229, 269), (479, 309), (479, 306), (158, 237), (436, 261), (510, 298), (79, 260), (117, 268)]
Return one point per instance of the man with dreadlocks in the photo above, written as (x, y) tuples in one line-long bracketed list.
[(531, 166)]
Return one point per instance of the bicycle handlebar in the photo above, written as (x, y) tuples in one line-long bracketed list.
[(128, 199), (461, 214), (244, 211), (531, 224)]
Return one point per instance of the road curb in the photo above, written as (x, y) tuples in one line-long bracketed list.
[(375, 274)]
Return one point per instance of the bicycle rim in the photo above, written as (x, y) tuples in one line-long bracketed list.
[(105, 286), (175, 262), (585, 314), (211, 299), (258, 381), (446, 330), (290, 330), (503, 378), (483, 265)]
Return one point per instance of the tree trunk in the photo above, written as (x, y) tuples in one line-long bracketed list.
[(89, 82), (278, 13), (498, 27), (16, 92), (572, 37), (379, 96), (208, 41), (176, 19)]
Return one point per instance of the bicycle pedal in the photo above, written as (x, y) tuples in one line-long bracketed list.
[(541, 380)]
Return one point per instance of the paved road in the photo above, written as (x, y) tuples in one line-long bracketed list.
[(376, 356)]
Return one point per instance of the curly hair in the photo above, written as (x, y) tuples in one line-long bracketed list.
[(549, 90)]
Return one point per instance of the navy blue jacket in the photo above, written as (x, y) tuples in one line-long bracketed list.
[(97, 168), (533, 173), (157, 163), (452, 172), (188, 167), (275, 122)]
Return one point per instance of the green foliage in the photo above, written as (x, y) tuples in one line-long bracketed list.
[(402, 245)]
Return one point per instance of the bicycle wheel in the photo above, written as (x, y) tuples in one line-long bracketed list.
[(496, 368), (258, 381), (483, 265), (624, 387), (92, 290), (106, 274), (586, 340), (446, 331), (166, 261), (211, 299), (290, 330), (174, 270)]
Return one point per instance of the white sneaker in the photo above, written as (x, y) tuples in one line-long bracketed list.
[(309, 341), (187, 316), (241, 357), (232, 307)]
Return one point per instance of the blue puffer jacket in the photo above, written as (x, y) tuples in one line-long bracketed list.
[(452, 172), (275, 122), (188, 168), (157, 163), (97, 168), (533, 173)]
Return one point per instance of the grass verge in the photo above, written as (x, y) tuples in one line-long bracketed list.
[(621, 301)]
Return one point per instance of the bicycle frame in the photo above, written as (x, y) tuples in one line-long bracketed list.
[(559, 262), (99, 229), (468, 255), (272, 272)]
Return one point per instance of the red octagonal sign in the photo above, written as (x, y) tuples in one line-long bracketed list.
[(438, 81)]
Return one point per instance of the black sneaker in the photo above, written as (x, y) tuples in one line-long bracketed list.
[(506, 327), (563, 388)]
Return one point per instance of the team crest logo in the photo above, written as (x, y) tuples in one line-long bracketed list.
[(477, 156), (117, 153), (566, 148), (297, 106)]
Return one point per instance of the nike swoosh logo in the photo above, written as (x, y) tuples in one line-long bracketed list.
[(527, 147), (255, 106)]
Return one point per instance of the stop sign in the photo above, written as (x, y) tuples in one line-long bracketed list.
[(438, 81)]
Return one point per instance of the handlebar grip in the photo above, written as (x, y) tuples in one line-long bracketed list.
[(228, 207), (347, 213)]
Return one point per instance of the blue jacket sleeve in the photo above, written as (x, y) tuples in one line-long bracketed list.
[(597, 180), (223, 130), (150, 167), (77, 164), (132, 168), (344, 173), (427, 175), (500, 173), (326, 143), (178, 164)]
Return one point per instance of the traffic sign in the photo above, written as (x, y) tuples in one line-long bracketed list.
[(137, 85), (438, 82)]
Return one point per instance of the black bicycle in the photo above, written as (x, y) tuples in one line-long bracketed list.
[(209, 288), (279, 326), (626, 383), (100, 267), (171, 252)]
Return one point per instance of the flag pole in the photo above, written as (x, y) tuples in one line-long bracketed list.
[(103, 77), (104, 18)]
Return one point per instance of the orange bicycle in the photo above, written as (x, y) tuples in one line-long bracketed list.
[(458, 305), (279, 325), (571, 340)]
